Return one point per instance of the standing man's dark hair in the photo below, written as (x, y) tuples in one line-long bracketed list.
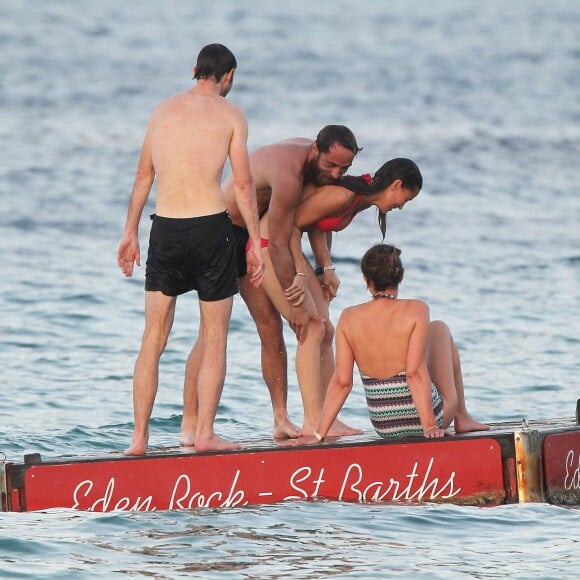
[(214, 61)]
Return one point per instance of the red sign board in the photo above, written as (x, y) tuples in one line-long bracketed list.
[(443, 471), (562, 467)]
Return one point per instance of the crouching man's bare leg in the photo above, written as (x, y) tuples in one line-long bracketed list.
[(274, 356)]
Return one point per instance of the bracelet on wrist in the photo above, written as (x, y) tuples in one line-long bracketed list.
[(321, 269), (318, 436), (301, 274)]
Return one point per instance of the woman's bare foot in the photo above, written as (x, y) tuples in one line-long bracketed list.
[(214, 443), (464, 423), (339, 429)]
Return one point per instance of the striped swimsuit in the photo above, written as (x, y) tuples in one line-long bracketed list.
[(391, 407)]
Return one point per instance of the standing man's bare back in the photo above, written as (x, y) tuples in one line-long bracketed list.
[(189, 138), (190, 142)]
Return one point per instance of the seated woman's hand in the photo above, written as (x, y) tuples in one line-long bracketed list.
[(435, 432)]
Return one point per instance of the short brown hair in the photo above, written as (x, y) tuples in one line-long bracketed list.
[(382, 266)]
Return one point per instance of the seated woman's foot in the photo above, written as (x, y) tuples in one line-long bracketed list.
[(466, 423)]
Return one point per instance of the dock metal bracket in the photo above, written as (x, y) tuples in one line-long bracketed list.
[(3, 484), (528, 451)]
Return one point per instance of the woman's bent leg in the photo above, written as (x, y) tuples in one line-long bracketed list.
[(445, 370)]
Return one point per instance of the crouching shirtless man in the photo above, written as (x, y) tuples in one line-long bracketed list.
[(280, 172)]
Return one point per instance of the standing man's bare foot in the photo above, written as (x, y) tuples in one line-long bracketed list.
[(215, 443), (464, 423), (138, 447), (285, 429)]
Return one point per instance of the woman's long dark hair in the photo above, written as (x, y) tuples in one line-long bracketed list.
[(398, 168)]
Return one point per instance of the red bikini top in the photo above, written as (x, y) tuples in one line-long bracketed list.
[(334, 224)]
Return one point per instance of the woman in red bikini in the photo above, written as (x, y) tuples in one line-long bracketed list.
[(331, 208)]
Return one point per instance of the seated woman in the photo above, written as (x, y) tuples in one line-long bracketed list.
[(409, 366), (394, 184)]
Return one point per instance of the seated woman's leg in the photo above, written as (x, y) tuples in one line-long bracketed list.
[(441, 371), (444, 365), (464, 422)]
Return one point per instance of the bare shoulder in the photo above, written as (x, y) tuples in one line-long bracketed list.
[(171, 102), (233, 109), (354, 322), (350, 313), (296, 142), (416, 308), (175, 106), (297, 148), (281, 163)]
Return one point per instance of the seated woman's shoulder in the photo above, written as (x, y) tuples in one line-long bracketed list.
[(416, 305)]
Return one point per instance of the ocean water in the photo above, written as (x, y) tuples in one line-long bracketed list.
[(483, 96)]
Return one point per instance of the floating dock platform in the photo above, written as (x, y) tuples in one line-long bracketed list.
[(527, 461)]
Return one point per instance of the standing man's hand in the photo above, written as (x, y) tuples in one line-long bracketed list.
[(256, 265), (128, 254)]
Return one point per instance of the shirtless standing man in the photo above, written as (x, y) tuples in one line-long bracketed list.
[(280, 172), (191, 247)]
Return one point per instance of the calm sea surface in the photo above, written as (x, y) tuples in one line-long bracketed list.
[(483, 95)]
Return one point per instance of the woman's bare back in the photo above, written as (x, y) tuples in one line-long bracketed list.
[(385, 334)]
